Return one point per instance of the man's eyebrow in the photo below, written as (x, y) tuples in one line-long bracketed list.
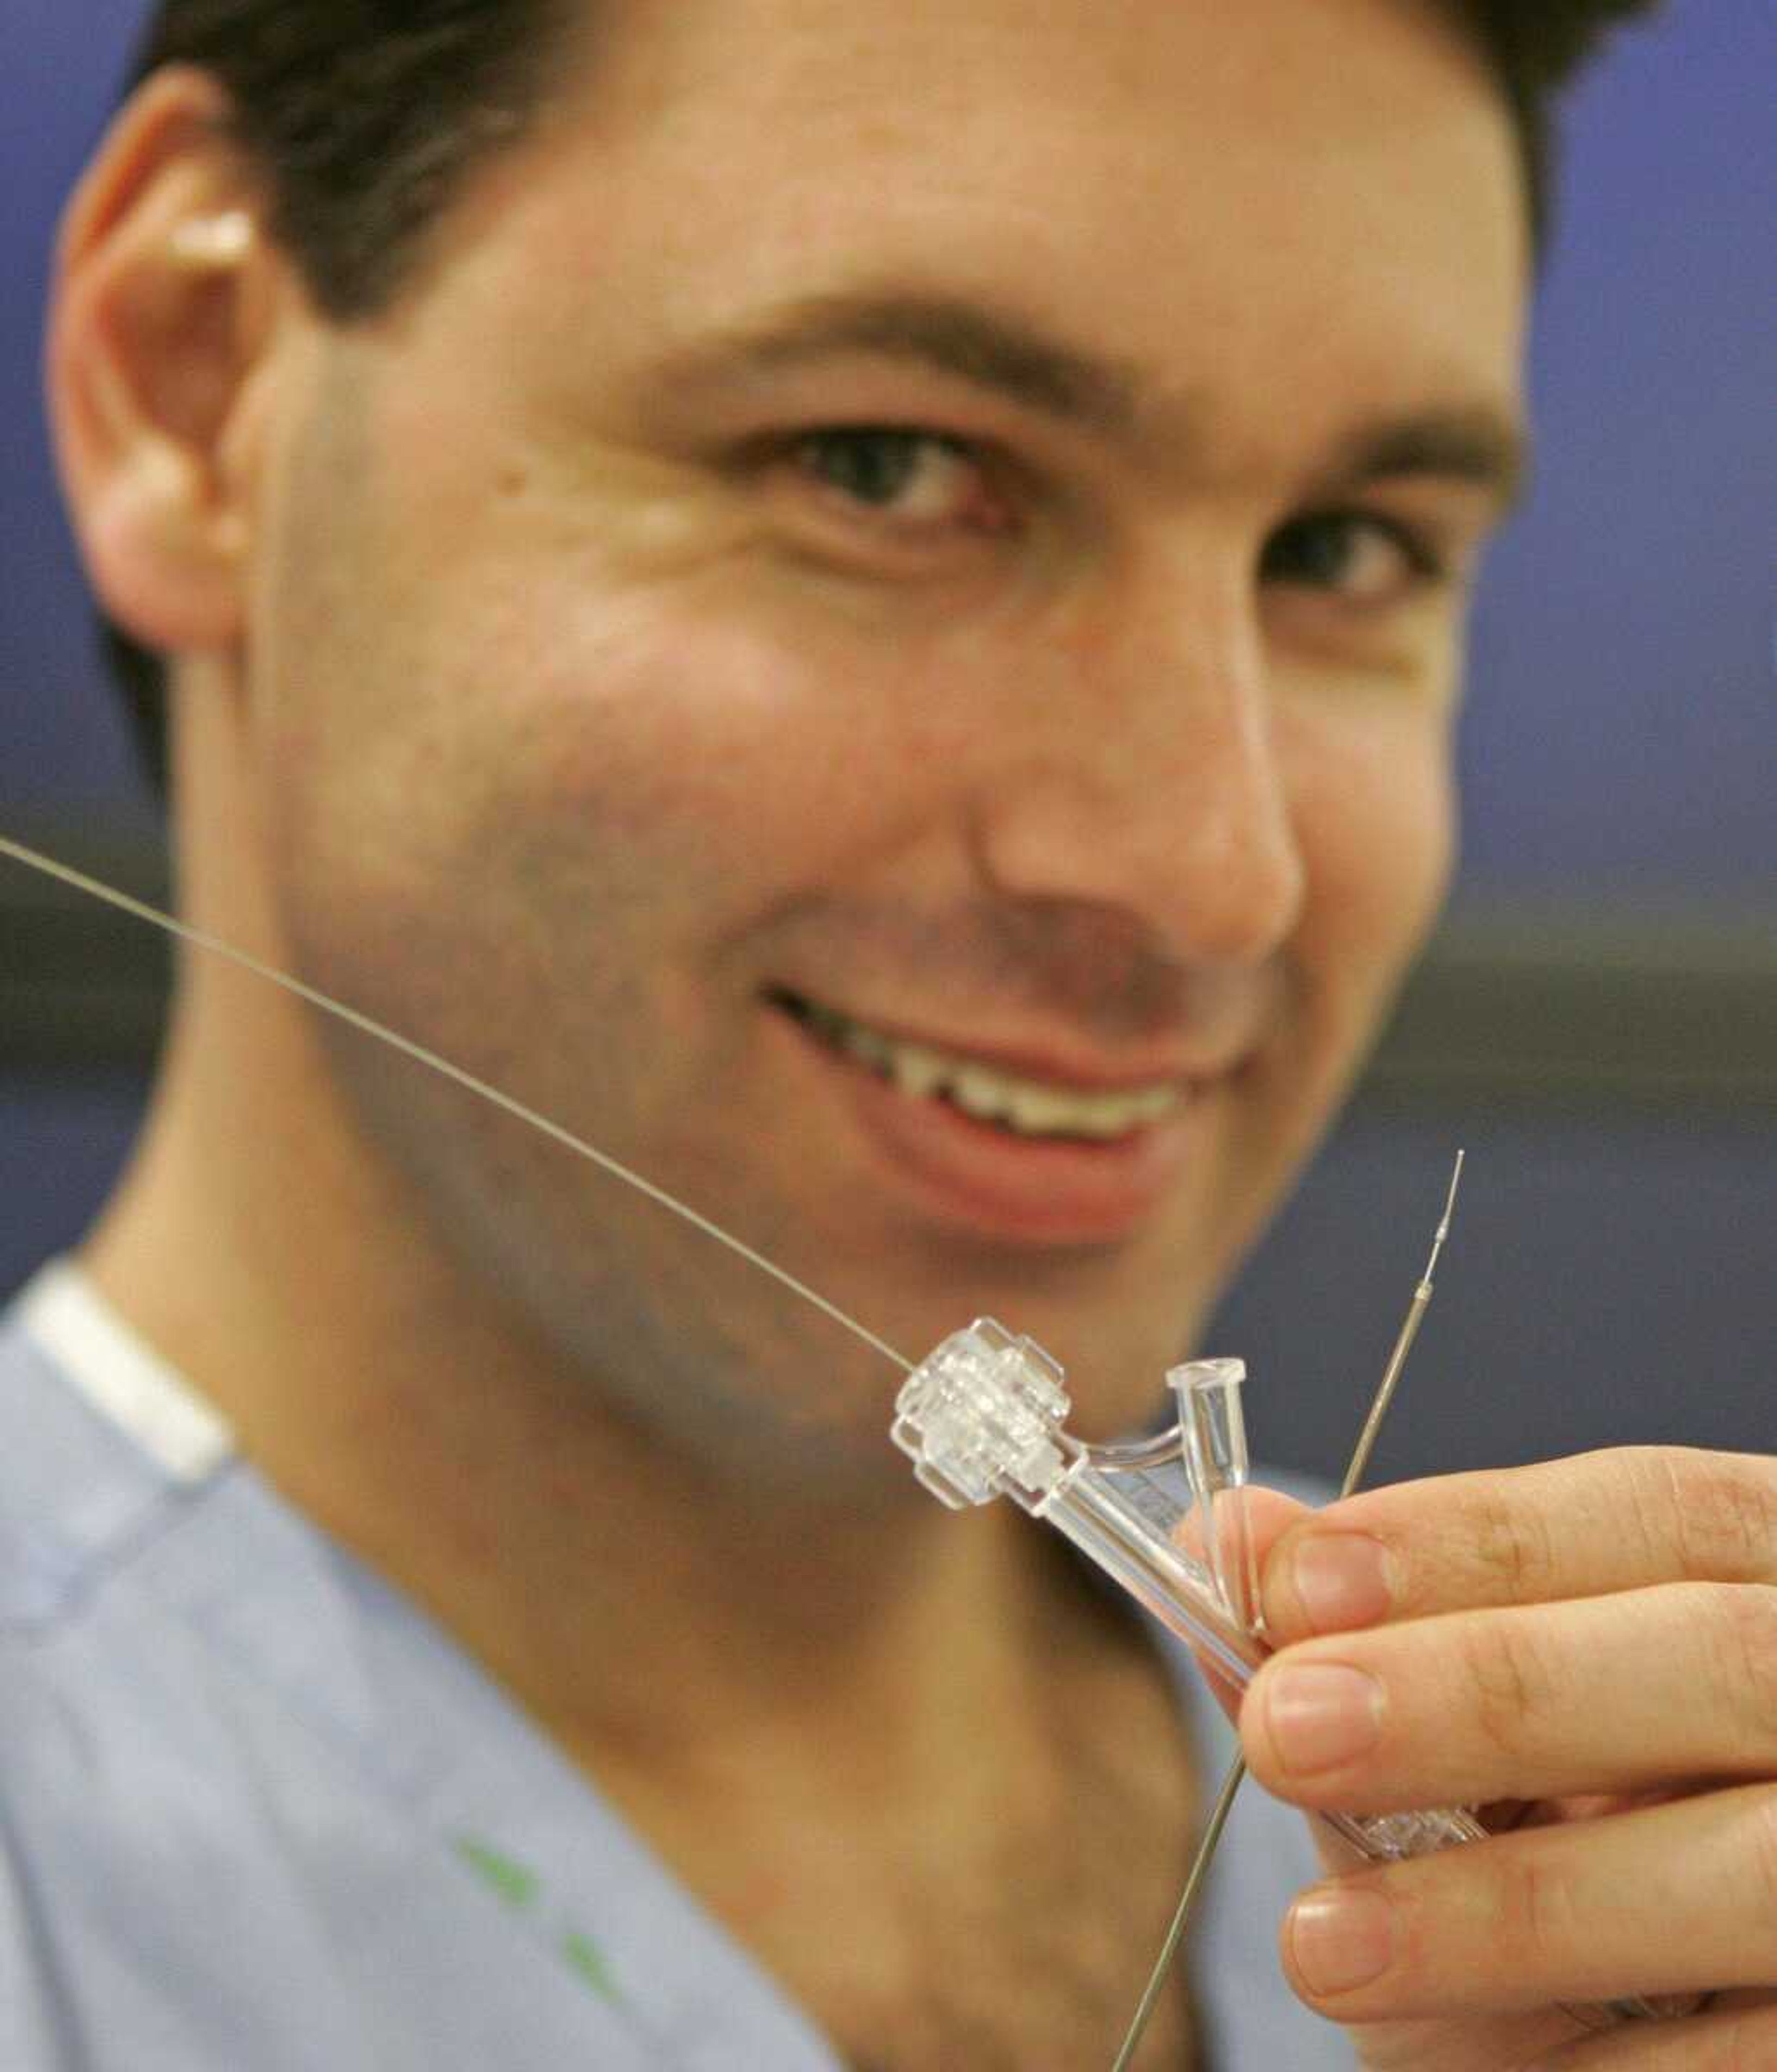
[(964, 339), (1477, 443)]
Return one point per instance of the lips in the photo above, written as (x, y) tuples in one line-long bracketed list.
[(1008, 1153), (1025, 1103)]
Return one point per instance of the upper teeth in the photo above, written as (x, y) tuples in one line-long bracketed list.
[(1032, 1107)]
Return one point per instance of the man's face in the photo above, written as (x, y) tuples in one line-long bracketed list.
[(886, 571)]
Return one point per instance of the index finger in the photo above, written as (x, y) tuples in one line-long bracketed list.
[(1622, 1520)]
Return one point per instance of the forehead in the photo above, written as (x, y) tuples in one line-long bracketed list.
[(1285, 184)]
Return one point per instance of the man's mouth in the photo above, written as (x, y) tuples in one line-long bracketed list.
[(1020, 1105)]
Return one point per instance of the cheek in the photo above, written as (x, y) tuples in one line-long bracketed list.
[(1375, 809), (725, 723), (603, 669)]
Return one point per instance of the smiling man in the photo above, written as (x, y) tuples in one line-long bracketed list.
[(861, 605)]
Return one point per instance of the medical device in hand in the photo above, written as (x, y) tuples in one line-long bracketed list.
[(985, 1417)]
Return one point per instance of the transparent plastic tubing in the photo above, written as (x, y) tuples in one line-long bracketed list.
[(983, 1418)]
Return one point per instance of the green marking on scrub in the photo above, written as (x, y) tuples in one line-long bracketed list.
[(586, 1959), (521, 1888), (515, 1885)]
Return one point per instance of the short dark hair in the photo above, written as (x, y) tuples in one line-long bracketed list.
[(365, 118)]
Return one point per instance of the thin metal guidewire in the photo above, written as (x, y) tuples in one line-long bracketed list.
[(1355, 1469), (214, 945), (49, 867)]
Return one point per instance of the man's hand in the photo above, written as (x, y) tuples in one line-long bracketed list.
[(1588, 1650)]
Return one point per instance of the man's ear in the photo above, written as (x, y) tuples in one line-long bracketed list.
[(165, 291)]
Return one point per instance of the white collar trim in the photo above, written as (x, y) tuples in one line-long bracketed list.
[(121, 1377)]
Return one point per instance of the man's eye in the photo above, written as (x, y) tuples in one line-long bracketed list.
[(912, 478), (1361, 557)]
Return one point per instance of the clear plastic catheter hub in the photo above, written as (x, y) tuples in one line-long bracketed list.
[(984, 1417)]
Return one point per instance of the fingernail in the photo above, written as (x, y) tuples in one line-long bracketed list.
[(1321, 1714), (1339, 1941), (1343, 1579)]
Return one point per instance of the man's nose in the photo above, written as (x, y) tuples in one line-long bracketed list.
[(1144, 776)]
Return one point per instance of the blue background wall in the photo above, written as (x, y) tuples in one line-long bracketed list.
[(1614, 1275)]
